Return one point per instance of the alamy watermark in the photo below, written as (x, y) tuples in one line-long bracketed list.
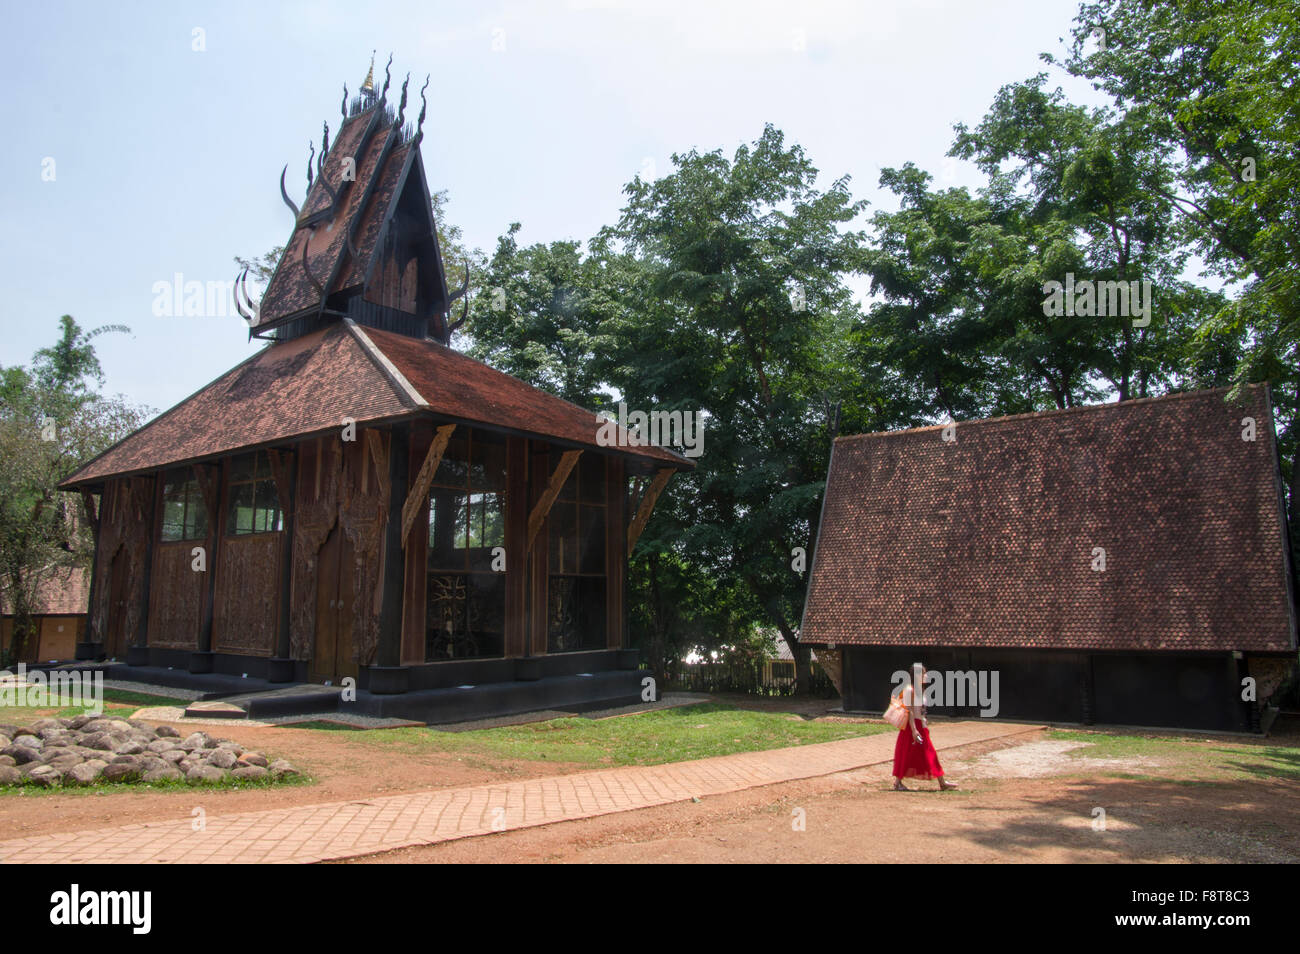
[(683, 429), (955, 688), (1090, 299), (57, 689)]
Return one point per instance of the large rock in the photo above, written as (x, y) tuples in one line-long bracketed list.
[(98, 740), (86, 773), (172, 755), (121, 772), (197, 740), (166, 732), (42, 724), (221, 758), (8, 760), (254, 758), (31, 741), (160, 745), (107, 725), (22, 754), (78, 722), (164, 773), (128, 747), (250, 772), (125, 760), (9, 730), (282, 769), (10, 775), (46, 776), (205, 773)]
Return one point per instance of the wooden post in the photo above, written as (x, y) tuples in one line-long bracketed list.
[(420, 489), (83, 648), (517, 564), (210, 482), (647, 506), (389, 654), (284, 466), (615, 558), (553, 487), (141, 636)]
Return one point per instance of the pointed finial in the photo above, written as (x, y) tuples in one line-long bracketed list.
[(401, 108), (383, 93), (325, 142), (309, 162), (343, 106), (424, 105), (368, 86)]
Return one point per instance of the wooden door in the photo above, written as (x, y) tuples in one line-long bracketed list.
[(116, 638), (332, 656)]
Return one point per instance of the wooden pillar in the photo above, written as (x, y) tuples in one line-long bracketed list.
[(415, 601), (137, 652), (212, 498), (389, 654), (281, 667), (84, 648), (517, 563), (615, 554)]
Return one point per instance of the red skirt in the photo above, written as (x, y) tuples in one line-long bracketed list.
[(916, 760)]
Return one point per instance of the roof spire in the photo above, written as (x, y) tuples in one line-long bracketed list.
[(369, 85)]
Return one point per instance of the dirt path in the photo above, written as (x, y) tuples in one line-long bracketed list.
[(332, 759), (997, 816)]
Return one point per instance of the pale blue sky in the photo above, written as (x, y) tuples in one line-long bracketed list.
[(167, 160)]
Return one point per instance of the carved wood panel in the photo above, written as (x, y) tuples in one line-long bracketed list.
[(316, 515), (246, 594), (363, 512), (124, 525), (176, 602)]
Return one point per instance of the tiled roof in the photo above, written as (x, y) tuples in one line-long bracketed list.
[(988, 540), (460, 387), (65, 592), (303, 386), (290, 291), (309, 384)]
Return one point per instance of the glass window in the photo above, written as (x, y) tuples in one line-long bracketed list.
[(184, 514), (254, 501), (467, 520), (576, 536)]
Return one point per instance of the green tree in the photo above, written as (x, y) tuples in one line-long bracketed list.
[(733, 303), (52, 420), (1213, 83)]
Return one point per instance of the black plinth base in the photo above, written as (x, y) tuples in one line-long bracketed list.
[(200, 662), (279, 670), (528, 668), (88, 651), (389, 680), (137, 656)]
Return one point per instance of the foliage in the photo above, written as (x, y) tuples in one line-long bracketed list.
[(52, 420)]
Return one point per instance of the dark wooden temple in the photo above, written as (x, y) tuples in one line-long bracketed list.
[(358, 499)]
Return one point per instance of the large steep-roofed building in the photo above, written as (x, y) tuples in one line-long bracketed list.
[(1120, 563)]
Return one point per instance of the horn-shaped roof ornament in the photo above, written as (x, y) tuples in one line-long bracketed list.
[(284, 194)]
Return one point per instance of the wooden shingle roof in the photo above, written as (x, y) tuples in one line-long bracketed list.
[(308, 385), (991, 539)]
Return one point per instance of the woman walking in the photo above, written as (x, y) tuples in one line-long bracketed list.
[(914, 754)]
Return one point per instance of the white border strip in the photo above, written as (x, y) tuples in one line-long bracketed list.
[(388, 367)]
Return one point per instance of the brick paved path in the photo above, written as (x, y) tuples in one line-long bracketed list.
[(333, 830)]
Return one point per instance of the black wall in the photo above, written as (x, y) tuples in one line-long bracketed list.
[(1188, 691)]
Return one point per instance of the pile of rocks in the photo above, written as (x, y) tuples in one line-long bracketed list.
[(87, 749)]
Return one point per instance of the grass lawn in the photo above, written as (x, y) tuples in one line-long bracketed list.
[(118, 703), (1188, 758), (643, 738)]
